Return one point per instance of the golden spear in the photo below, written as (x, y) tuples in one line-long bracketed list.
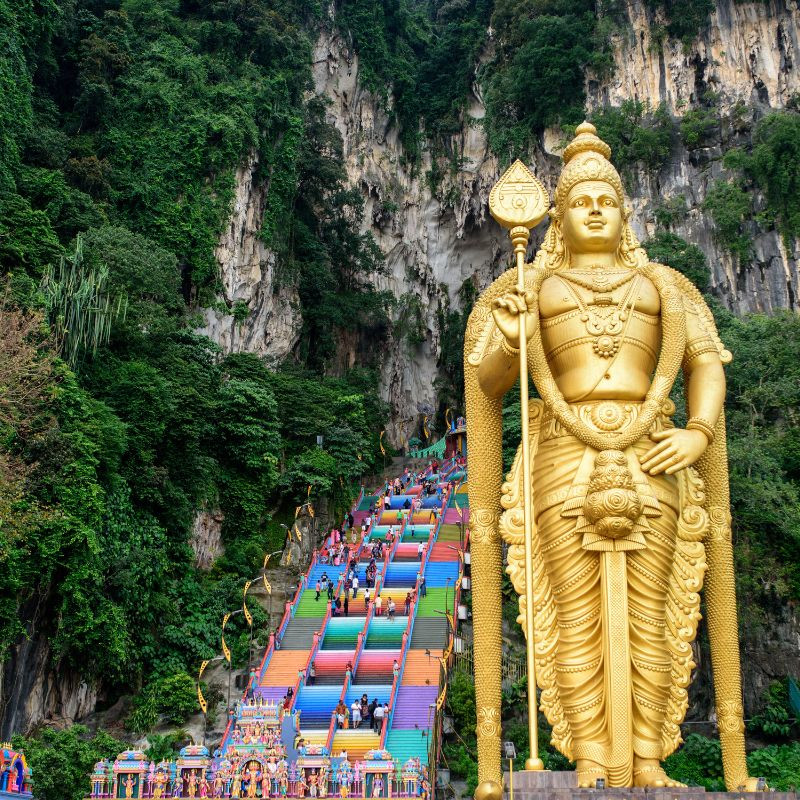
[(519, 202)]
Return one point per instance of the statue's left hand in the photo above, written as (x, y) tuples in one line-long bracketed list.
[(675, 449)]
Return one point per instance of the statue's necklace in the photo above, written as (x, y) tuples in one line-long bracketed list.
[(604, 321), (673, 344), (597, 281)]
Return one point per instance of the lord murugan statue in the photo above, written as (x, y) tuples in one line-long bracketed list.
[(613, 516)]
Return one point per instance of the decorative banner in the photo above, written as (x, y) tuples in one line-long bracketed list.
[(299, 533), (448, 417), (297, 512), (310, 510), (266, 559), (201, 700), (308, 494), (288, 557), (425, 427), (226, 652), (458, 507), (247, 615), (267, 585), (380, 442)]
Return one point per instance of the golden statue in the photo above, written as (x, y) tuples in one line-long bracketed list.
[(614, 512)]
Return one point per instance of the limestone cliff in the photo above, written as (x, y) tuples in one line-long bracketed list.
[(435, 241)]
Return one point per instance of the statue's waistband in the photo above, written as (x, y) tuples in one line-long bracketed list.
[(604, 416)]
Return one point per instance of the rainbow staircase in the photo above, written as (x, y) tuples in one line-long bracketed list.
[(371, 643)]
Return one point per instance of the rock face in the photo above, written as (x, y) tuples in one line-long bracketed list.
[(435, 241), (206, 539), (247, 269), (33, 690)]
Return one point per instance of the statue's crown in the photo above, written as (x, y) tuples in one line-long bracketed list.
[(586, 158)]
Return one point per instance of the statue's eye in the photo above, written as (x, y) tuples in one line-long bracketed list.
[(608, 202), (579, 202)]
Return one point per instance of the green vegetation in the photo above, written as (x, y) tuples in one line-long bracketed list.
[(697, 126), (636, 134), (772, 166), (62, 761), (423, 53), (667, 248), (730, 206), (699, 763), (123, 125), (544, 48), (684, 18)]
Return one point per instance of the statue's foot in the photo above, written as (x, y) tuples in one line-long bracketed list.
[(648, 772), (588, 772)]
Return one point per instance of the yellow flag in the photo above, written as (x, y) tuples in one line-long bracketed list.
[(425, 427), (247, 615), (225, 651), (380, 442), (201, 700), (266, 584)]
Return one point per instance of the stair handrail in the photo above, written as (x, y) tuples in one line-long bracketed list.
[(313, 650), (360, 644), (406, 646)]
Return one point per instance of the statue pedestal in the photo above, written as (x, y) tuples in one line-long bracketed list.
[(562, 786)]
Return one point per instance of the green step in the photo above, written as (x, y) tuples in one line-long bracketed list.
[(385, 634), (309, 607), (435, 602), (404, 744), (342, 633), (450, 533), (366, 502)]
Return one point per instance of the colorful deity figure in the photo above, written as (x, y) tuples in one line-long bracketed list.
[(236, 786), (265, 783), (159, 779), (313, 781), (253, 776), (322, 783), (129, 786), (205, 786), (191, 782), (283, 779), (377, 786), (219, 783)]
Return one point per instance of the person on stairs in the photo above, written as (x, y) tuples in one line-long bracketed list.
[(318, 587), (355, 586)]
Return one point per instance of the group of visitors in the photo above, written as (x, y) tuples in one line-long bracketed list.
[(361, 710)]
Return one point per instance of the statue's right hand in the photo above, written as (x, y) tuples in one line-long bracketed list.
[(506, 311)]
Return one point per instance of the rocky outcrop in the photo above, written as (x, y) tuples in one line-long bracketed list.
[(255, 312), (206, 538), (35, 691)]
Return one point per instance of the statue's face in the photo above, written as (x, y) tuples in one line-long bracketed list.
[(592, 221)]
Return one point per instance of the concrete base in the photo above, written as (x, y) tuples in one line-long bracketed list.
[(563, 786)]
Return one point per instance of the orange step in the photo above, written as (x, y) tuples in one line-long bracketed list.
[(283, 667), (420, 669)]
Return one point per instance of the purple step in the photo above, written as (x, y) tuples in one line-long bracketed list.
[(413, 706), (273, 693)]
